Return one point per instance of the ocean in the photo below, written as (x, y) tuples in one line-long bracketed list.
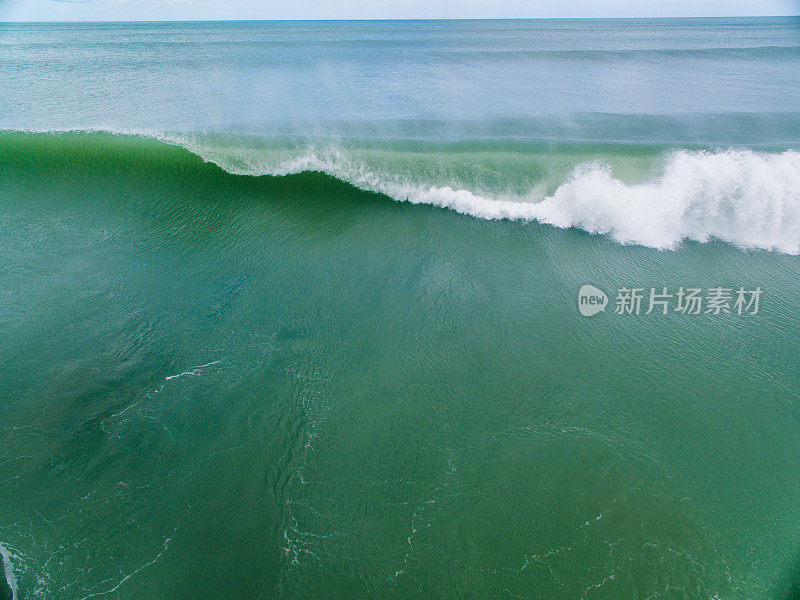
[(296, 309)]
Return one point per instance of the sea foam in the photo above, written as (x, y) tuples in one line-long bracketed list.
[(8, 571)]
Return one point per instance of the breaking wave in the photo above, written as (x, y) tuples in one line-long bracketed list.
[(748, 198)]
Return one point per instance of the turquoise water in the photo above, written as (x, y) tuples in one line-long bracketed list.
[(292, 310)]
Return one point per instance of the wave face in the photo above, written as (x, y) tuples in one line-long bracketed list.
[(655, 197)]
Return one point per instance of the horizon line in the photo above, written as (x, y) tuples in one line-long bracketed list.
[(409, 19)]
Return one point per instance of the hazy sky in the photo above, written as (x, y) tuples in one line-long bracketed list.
[(79, 10)]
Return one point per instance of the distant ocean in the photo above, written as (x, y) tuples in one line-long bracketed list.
[(290, 310)]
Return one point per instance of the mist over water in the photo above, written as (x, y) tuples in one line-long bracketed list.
[(288, 310), (316, 78)]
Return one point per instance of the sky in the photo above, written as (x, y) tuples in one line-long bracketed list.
[(147, 10)]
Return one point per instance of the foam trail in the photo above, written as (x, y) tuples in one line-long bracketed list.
[(8, 571), (192, 370)]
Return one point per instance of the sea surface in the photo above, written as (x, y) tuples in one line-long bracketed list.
[(290, 310)]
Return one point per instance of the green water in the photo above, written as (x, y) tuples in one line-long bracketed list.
[(225, 386), (306, 324)]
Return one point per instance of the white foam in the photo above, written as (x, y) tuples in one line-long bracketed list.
[(8, 570), (749, 199), (193, 371)]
